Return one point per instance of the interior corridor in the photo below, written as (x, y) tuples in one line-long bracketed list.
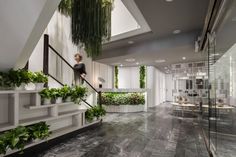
[(156, 133)]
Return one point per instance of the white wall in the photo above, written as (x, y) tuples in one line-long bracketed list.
[(128, 77), (59, 33), (22, 23), (122, 20), (156, 83), (169, 87)]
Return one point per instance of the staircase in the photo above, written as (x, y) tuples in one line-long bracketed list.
[(22, 24)]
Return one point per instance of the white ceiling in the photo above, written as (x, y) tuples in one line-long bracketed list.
[(163, 18)]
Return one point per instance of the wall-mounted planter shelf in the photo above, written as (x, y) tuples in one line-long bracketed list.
[(25, 108)]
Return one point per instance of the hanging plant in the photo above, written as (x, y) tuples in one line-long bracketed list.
[(65, 7), (116, 76), (142, 76), (90, 23)]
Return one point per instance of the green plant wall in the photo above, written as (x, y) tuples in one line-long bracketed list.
[(116, 76), (142, 76)]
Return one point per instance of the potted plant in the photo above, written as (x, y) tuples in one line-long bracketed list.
[(5, 82), (66, 93), (98, 111), (89, 116), (3, 146), (16, 138), (56, 95), (19, 78), (45, 96), (39, 131), (78, 93), (39, 79)]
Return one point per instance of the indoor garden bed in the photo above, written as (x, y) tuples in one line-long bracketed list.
[(123, 102)]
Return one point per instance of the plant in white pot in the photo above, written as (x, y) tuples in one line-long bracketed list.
[(56, 95), (19, 78), (39, 79), (45, 96), (78, 93), (66, 93)]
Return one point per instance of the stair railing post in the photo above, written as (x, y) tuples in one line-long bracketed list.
[(46, 56), (100, 98)]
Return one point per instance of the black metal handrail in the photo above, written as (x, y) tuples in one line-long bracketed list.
[(46, 67)]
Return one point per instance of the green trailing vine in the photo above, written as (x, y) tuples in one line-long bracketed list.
[(65, 7), (90, 23), (142, 76), (116, 76)]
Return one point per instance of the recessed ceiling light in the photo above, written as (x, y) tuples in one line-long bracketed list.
[(137, 63), (166, 68), (130, 60), (183, 58), (177, 31), (121, 65), (160, 61), (169, 0), (130, 42)]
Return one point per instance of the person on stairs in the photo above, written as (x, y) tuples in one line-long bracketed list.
[(79, 70)]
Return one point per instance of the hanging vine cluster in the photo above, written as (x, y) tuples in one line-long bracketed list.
[(90, 23)]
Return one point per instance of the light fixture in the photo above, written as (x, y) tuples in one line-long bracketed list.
[(177, 31), (183, 58), (169, 0), (130, 60), (137, 63), (166, 68), (121, 65), (130, 42), (160, 61)]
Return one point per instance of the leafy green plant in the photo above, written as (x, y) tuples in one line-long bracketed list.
[(142, 76), (39, 131), (89, 115), (3, 146), (123, 98), (66, 92), (39, 77), (17, 77), (95, 111), (90, 23), (78, 93), (5, 81), (65, 7), (98, 111), (45, 93), (116, 76), (55, 93), (16, 138)]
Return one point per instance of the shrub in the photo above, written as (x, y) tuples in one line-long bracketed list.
[(123, 99)]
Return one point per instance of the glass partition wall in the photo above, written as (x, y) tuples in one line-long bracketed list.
[(218, 118), (190, 82)]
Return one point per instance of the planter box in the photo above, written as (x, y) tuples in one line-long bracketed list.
[(124, 108)]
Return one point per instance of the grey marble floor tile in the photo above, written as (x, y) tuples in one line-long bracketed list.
[(156, 133)]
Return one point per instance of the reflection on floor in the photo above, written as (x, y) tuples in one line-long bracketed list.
[(153, 134)]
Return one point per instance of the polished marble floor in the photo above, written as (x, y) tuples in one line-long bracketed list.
[(156, 133)]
